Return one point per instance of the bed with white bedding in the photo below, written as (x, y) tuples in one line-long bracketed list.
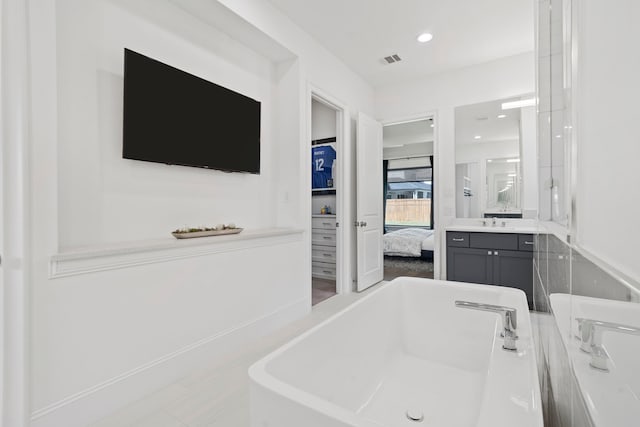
[(409, 242)]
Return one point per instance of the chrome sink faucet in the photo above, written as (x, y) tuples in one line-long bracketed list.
[(509, 320), (591, 335)]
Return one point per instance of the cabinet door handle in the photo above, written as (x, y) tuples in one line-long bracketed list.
[(528, 243), (489, 253), (461, 239), (495, 253)]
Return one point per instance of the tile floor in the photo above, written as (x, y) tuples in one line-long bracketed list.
[(218, 395)]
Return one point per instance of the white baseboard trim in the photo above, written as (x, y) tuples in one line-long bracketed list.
[(89, 405)]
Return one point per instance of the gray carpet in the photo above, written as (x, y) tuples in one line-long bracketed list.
[(413, 267)]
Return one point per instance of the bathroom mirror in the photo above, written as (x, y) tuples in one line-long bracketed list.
[(495, 148)]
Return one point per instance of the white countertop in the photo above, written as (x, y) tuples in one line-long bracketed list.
[(491, 229)]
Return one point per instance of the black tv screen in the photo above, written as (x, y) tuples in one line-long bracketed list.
[(174, 117)]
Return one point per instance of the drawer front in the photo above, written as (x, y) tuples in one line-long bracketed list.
[(323, 237), (323, 223), (322, 269), (525, 242), (457, 239), (506, 241), (323, 253)]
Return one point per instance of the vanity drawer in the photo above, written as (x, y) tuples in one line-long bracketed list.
[(457, 239), (328, 223), (506, 241), (323, 237), (322, 269), (525, 242), (323, 253)]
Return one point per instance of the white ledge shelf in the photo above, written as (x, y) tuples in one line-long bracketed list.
[(109, 257)]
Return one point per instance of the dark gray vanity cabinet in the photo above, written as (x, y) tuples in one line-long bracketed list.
[(503, 259)]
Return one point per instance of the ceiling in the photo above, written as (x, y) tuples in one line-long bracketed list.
[(465, 32), (482, 120)]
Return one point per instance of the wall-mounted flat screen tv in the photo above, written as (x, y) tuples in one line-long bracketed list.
[(176, 118)]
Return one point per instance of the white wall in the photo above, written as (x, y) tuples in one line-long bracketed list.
[(470, 153), (441, 94), (104, 198), (125, 323), (608, 205), (529, 162), (323, 121), (320, 69), (463, 203)]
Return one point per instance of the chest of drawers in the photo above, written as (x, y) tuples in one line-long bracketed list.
[(323, 246)]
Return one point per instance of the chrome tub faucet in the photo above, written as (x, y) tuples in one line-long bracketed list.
[(509, 320), (591, 331)]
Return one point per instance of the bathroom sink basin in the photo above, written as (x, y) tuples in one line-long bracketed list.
[(405, 355), (613, 396)]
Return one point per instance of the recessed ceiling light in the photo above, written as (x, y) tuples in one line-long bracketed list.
[(513, 160), (432, 125), (477, 137), (502, 116), (558, 136), (489, 160), (424, 37)]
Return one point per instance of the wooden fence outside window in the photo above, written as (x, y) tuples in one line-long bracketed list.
[(408, 211)]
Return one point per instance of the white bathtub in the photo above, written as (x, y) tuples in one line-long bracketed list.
[(404, 347)]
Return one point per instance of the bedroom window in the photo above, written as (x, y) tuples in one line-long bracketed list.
[(408, 197)]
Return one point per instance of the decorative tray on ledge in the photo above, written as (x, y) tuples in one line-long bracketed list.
[(204, 233)]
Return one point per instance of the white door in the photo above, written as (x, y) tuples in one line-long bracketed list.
[(369, 217)]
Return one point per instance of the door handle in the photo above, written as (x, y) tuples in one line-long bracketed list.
[(363, 223), (461, 239)]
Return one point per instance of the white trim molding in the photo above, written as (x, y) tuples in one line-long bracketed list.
[(95, 259), (15, 204)]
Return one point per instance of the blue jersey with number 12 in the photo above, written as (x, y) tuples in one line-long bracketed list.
[(322, 159)]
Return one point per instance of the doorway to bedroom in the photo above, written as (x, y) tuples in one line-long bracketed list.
[(408, 198)]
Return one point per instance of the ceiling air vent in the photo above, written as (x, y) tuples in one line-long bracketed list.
[(392, 58)]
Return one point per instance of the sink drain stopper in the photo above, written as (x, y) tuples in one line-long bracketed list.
[(415, 414)]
